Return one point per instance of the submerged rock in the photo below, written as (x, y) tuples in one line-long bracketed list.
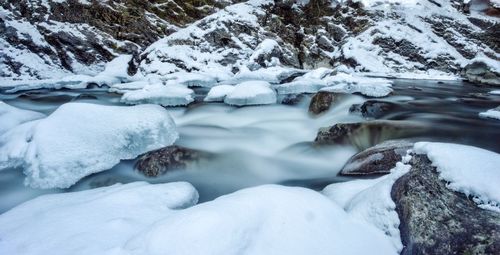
[(321, 102), (366, 134), (158, 162), (379, 159), (373, 108), (437, 220)]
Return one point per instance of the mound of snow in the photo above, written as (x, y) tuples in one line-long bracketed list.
[(122, 88), (218, 93), (492, 113), (90, 222), (11, 116), (347, 83), (79, 139), (470, 170), (251, 93), (170, 95)]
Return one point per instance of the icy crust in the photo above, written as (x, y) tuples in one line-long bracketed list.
[(79, 139), (349, 83), (11, 116), (95, 221), (251, 93), (166, 95), (218, 93), (142, 218), (492, 113), (472, 171)]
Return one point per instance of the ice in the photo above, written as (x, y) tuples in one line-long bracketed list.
[(218, 93), (492, 113), (11, 117), (122, 88), (79, 139), (251, 93), (348, 83), (166, 95), (90, 222), (495, 92), (469, 170)]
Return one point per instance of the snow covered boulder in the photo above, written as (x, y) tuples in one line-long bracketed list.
[(492, 113), (11, 117), (483, 70), (218, 93), (166, 95), (346, 83), (79, 139), (262, 220), (251, 93), (96, 221)]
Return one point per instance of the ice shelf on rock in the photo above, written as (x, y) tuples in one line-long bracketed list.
[(218, 93), (251, 93), (348, 83), (166, 95), (79, 139)]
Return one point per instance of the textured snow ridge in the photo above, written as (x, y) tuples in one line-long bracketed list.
[(166, 95), (469, 170), (90, 222), (140, 218), (79, 139), (251, 93)]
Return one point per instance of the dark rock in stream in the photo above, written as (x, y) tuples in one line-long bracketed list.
[(437, 220), (376, 160), (482, 73), (292, 99), (321, 102), (366, 134), (373, 108), (159, 162)]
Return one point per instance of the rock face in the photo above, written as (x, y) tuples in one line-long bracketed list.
[(159, 162), (321, 102), (436, 220), (377, 160), (366, 134)]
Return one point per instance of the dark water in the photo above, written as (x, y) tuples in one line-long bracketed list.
[(273, 144)]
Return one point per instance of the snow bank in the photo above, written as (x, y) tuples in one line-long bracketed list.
[(310, 82), (89, 222), (11, 116), (171, 95), (492, 113), (218, 93), (470, 170), (251, 93), (79, 139), (348, 83)]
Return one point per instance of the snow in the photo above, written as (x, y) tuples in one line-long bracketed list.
[(121, 88), (472, 171), (492, 113), (166, 95), (349, 83), (79, 139), (11, 117), (251, 93), (218, 93), (90, 222), (141, 218), (370, 201), (310, 82), (495, 92)]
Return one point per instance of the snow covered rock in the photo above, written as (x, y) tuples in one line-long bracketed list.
[(492, 113), (96, 221), (11, 117), (346, 83), (218, 93), (166, 95), (79, 139), (251, 93), (483, 70)]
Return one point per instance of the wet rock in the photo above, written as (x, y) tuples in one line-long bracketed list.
[(366, 134), (377, 160), (292, 99), (437, 220), (159, 162), (373, 108), (321, 102), (481, 72)]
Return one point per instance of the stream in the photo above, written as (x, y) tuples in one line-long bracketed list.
[(273, 144)]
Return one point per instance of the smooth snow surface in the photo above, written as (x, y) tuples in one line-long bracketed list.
[(89, 222), (166, 95), (348, 83), (470, 170), (79, 139), (218, 93), (11, 116), (251, 93)]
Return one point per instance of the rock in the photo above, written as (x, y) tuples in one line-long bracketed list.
[(366, 134), (159, 162), (321, 102), (292, 99), (437, 220), (373, 108), (379, 159), (481, 72)]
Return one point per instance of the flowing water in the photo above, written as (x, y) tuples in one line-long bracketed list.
[(273, 144)]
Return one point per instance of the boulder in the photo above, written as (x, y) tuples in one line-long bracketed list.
[(481, 72), (377, 160), (437, 220), (373, 108), (321, 102), (159, 162)]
